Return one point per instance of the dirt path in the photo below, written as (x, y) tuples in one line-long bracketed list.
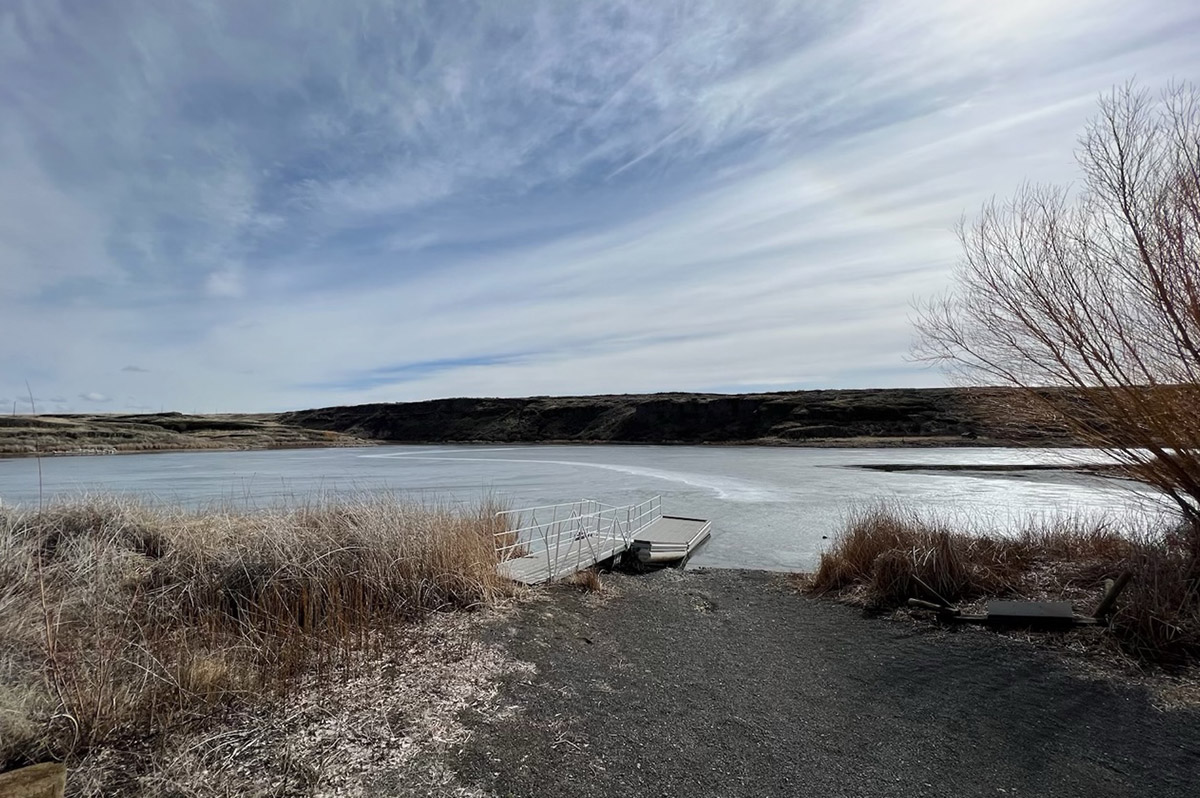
[(727, 683)]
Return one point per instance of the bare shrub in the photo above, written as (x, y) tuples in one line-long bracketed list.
[(1089, 301)]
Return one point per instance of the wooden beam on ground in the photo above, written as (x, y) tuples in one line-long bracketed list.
[(929, 605), (47, 780)]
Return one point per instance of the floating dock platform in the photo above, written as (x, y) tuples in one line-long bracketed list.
[(671, 539), (544, 544)]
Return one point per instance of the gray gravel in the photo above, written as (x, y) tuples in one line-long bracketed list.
[(727, 683)]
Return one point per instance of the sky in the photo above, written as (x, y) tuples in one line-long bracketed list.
[(221, 205)]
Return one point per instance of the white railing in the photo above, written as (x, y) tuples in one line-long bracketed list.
[(573, 535)]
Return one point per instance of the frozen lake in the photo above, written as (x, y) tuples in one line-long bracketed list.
[(770, 507)]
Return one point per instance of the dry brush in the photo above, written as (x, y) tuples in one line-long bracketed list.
[(124, 620), (887, 554)]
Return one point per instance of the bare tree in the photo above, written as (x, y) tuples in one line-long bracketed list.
[(1089, 300)]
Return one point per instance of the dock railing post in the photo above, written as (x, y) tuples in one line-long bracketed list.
[(603, 529)]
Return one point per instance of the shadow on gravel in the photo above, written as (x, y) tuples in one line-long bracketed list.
[(728, 683)]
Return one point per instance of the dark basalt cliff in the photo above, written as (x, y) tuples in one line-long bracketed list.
[(880, 417)]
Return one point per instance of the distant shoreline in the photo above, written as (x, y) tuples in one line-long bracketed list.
[(884, 418), (833, 443), (94, 452), (1104, 469), (92, 435)]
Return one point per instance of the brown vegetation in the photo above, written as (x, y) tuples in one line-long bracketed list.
[(122, 621), (887, 555), (587, 580)]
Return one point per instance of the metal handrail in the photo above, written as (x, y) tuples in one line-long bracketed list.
[(551, 506), (587, 520)]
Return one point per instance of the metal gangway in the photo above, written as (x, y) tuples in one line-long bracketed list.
[(542, 544)]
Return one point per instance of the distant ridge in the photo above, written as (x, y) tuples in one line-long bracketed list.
[(881, 417)]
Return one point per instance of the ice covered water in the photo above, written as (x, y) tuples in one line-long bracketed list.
[(770, 507)]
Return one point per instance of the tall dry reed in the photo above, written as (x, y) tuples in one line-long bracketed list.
[(122, 619)]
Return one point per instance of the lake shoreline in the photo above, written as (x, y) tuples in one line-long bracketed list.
[(75, 435), (96, 452), (831, 443), (1113, 470)]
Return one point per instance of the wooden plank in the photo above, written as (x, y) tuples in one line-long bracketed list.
[(1111, 591), (1055, 623), (47, 780)]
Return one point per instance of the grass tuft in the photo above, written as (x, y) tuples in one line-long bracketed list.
[(587, 580)]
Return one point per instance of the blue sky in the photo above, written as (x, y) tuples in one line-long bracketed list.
[(223, 205)]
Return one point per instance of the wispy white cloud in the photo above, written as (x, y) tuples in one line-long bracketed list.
[(225, 282), (285, 204)]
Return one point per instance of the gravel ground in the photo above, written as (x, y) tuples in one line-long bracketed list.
[(728, 683)]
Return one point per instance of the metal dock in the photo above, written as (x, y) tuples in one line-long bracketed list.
[(543, 544), (671, 539)]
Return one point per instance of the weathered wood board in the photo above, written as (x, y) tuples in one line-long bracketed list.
[(47, 780)]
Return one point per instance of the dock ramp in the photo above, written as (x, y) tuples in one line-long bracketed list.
[(543, 544)]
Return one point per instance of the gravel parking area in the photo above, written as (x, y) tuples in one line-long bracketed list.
[(729, 683)]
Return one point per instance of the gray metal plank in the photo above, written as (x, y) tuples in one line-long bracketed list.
[(670, 530), (1035, 610)]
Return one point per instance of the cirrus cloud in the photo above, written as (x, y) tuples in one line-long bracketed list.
[(283, 204)]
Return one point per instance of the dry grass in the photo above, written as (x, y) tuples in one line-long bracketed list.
[(587, 580), (388, 723), (123, 622), (889, 554)]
